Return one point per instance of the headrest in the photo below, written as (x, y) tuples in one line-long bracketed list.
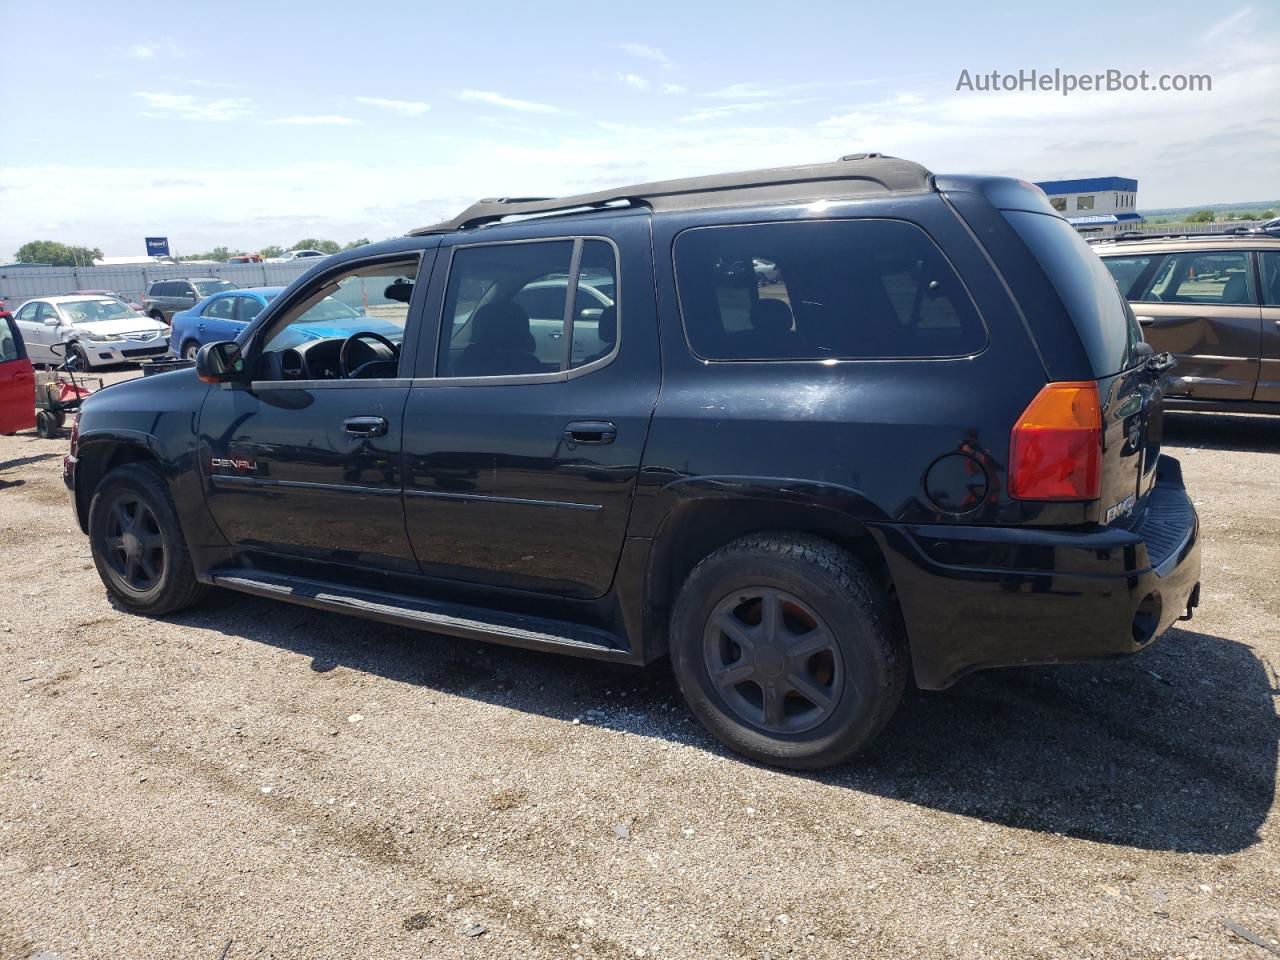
[(1236, 290), (770, 316), (502, 326), (608, 325)]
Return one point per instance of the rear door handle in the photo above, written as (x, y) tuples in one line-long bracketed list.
[(591, 431), (366, 426)]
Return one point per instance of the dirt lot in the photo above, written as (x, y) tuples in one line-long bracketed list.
[(257, 780)]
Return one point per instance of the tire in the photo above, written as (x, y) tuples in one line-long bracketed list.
[(190, 349), (45, 425), (847, 666), (77, 359), (158, 317), (152, 573)]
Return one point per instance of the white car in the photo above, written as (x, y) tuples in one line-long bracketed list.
[(97, 331), (290, 255)]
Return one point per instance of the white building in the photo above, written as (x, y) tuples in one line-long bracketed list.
[(1096, 206)]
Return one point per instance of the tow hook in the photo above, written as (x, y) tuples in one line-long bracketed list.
[(1193, 601)]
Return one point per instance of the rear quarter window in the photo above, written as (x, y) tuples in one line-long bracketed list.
[(822, 290), (1101, 316)]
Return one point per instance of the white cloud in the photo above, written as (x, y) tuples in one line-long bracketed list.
[(634, 80), (140, 51), (155, 48), (645, 52), (734, 109), (1227, 25), (183, 106), (673, 88), (319, 120), (410, 108), (509, 103)]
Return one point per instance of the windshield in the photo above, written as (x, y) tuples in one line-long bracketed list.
[(207, 288), (91, 311)]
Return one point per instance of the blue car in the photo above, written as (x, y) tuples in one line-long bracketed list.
[(224, 315), (219, 317)]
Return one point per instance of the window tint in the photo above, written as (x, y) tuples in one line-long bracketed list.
[(1129, 271), (821, 290), (1102, 318), (373, 298), (1211, 278), (223, 308), (595, 309), (9, 340), (28, 313), (1270, 263), (247, 308), (504, 309)]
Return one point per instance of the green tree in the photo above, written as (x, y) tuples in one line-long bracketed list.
[(217, 253), (1201, 216), (58, 254), (1268, 215), (273, 250), (356, 243), (324, 246)]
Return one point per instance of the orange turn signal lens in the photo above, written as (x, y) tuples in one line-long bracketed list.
[(1055, 451)]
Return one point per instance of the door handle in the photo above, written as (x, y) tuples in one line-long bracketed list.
[(591, 431), (365, 426), (1146, 321)]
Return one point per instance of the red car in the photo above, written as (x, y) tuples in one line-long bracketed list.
[(245, 258), (127, 301), (17, 379)]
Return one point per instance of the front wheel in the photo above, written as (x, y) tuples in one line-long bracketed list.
[(785, 648), (137, 542), (77, 359)]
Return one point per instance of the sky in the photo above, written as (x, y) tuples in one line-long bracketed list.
[(246, 124)]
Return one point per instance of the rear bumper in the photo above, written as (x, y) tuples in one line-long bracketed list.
[(977, 597)]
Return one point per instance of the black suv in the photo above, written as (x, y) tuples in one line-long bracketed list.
[(923, 439)]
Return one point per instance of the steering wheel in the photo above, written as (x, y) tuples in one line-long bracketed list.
[(347, 373)]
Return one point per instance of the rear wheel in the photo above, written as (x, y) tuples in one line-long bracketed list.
[(190, 349), (137, 542), (785, 648)]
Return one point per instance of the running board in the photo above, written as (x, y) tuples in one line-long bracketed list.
[(455, 620)]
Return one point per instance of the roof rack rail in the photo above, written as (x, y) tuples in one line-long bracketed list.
[(857, 174), (1222, 234)]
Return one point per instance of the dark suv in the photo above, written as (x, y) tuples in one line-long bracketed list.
[(164, 298), (925, 440)]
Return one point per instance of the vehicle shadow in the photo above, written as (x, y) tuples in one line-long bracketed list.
[(1222, 431), (1173, 749)]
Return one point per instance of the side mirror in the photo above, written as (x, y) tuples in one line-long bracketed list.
[(52, 321), (220, 362)]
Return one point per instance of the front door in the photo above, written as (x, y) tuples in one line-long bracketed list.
[(1200, 306), (17, 382), (36, 333), (302, 465), (1269, 369), (521, 456)]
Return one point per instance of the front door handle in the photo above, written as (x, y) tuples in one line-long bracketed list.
[(591, 431), (366, 426), (1146, 321)]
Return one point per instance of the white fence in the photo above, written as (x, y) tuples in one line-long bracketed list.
[(18, 284)]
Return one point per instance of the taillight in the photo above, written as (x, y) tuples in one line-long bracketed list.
[(1055, 452)]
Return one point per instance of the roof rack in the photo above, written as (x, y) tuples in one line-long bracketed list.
[(1218, 234), (858, 174)]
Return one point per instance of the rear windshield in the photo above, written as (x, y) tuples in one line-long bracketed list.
[(822, 290), (1103, 319)]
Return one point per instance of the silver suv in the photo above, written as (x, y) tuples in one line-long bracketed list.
[(164, 298)]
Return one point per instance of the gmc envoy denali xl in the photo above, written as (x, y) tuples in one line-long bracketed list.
[(803, 430)]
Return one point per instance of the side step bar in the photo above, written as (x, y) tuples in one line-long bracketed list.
[(455, 620)]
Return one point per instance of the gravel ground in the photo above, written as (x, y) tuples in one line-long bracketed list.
[(250, 779)]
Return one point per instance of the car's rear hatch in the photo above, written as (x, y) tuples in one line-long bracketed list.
[(1130, 396)]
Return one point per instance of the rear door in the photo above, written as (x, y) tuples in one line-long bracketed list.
[(1269, 364), (522, 453), (17, 381), (1201, 306), (216, 321)]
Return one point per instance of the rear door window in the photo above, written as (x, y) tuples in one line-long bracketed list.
[(1269, 261), (822, 290), (1219, 279), (223, 308)]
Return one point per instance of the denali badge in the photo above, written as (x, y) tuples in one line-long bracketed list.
[(1121, 508), (224, 463)]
